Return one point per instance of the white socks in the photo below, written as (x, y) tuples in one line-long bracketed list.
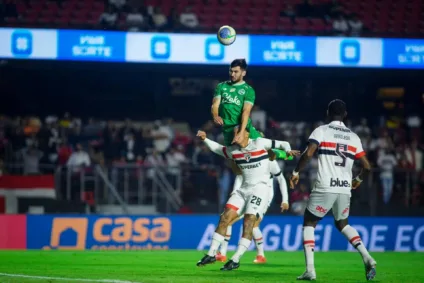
[(259, 241), (309, 246), (353, 237), (241, 249), (217, 239), (224, 245)]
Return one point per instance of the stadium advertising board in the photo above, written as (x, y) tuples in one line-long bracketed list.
[(183, 48), (282, 50), (401, 53), (259, 50), (195, 232)]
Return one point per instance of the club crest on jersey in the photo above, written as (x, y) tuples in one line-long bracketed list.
[(247, 156), (241, 92)]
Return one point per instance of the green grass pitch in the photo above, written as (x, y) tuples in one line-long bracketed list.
[(180, 267)]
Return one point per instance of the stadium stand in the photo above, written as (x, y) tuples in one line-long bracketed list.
[(292, 17)]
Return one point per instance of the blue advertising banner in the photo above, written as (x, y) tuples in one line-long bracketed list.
[(400, 53), (172, 48), (282, 50), (83, 45), (195, 232)]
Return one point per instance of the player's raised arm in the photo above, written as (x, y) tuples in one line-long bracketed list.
[(213, 146), (215, 106), (276, 144)]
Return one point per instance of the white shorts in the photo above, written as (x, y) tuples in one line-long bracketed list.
[(320, 203), (250, 201)]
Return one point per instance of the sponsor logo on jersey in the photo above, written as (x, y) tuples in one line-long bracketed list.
[(321, 209), (233, 100), (232, 90), (247, 156), (339, 183), (253, 166), (241, 92)]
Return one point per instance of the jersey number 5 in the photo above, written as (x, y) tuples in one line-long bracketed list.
[(341, 149)]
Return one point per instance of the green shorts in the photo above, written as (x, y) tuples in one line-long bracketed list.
[(229, 134)]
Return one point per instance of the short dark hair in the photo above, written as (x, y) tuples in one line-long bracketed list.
[(239, 63), (336, 108)]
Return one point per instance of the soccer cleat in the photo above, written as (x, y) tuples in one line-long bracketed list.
[(206, 260), (221, 258), (308, 276), (259, 259), (230, 265), (370, 271)]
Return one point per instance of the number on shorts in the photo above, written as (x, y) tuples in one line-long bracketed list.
[(256, 200), (341, 149)]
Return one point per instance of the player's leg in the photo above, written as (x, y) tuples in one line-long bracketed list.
[(230, 213), (259, 240), (222, 254), (318, 206), (254, 208), (341, 213)]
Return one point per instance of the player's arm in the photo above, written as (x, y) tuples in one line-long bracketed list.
[(277, 173), (213, 146), (303, 161), (366, 169), (216, 101), (270, 144)]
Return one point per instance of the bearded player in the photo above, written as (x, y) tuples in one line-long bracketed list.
[(231, 106), (276, 172)]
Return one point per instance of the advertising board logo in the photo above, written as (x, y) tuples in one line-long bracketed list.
[(350, 52), (73, 228), (160, 47), (214, 50), (22, 43), (108, 233)]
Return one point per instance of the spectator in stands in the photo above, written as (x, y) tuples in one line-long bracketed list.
[(31, 158), (159, 19), (414, 156), (64, 152), (174, 20), (289, 12), (387, 162), (118, 4), (299, 199), (333, 10), (136, 21), (258, 117), (175, 159), (78, 158), (203, 157), (132, 149), (188, 19), (355, 25), (340, 26), (109, 18), (162, 136), (154, 159), (362, 130)]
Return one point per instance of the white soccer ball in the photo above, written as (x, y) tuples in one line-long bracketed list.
[(226, 35)]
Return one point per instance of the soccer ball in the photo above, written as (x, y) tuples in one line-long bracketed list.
[(226, 35)]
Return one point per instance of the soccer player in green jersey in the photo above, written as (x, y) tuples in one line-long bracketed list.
[(232, 102)]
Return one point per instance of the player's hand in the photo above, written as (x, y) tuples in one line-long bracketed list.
[(239, 137), (218, 120), (284, 207), (293, 153), (293, 181), (201, 135), (355, 184)]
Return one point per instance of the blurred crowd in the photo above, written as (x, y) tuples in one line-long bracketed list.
[(38, 144)]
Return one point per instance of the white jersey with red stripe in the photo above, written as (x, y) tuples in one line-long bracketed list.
[(338, 147), (253, 160)]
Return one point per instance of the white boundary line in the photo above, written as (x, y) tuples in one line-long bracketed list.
[(66, 279)]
